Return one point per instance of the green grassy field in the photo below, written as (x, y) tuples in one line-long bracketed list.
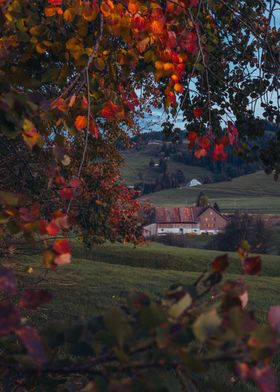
[(138, 162), (102, 277), (254, 193)]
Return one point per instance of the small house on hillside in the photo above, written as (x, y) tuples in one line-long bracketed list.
[(193, 182), (185, 220)]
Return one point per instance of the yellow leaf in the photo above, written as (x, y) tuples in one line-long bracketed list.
[(180, 306), (100, 64), (66, 160), (35, 30), (31, 137), (27, 124), (67, 15), (30, 134), (72, 43), (41, 48)]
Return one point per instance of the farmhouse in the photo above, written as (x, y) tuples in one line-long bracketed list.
[(185, 220)]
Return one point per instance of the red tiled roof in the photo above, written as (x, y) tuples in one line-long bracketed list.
[(178, 214)]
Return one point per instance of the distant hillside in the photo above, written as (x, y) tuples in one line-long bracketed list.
[(254, 192), (155, 165), (137, 169)]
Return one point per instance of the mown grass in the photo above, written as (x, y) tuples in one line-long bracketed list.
[(102, 277), (254, 192)]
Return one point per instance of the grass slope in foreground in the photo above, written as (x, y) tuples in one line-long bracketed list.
[(255, 192), (103, 277)]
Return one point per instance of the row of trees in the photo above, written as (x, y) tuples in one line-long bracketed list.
[(244, 227)]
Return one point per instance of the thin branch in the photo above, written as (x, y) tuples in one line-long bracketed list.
[(86, 73)]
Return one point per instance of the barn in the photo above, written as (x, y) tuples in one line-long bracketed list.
[(185, 220)]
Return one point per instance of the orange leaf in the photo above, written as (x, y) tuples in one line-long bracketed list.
[(200, 153), (64, 258), (90, 11), (67, 15), (52, 229), (106, 8), (81, 122), (157, 26), (72, 101), (178, 87), (51, 11), (133, 7)]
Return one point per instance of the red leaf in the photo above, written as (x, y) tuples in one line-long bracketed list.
[(61, 246), (192, 42), (66, 193), (52, 229), (43, 227), (197, 112), (112, 111), (33, 344), (139, 23), (33, 298), (252, 265), (60, 181), (171, 41), (9, 318), (220, 264), (264, 378), (55, 2), (7, 281), (274, 317), (223, 140), (93, 128), (243, 370), (74, 183), (192, 137), (25, 214), (262, 375), (219, 152), (204, 142)]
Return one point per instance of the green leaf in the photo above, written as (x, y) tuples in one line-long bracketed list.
[(206, 325), (152, 316), (179, 307), (117, 324), (191, 362)]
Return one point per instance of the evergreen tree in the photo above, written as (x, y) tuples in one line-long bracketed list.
[(216, 207), (202, 200)]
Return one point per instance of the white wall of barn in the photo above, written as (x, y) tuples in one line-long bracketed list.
[(163, 229), (172, 230)]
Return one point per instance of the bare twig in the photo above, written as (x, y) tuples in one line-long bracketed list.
[(86, 74)]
